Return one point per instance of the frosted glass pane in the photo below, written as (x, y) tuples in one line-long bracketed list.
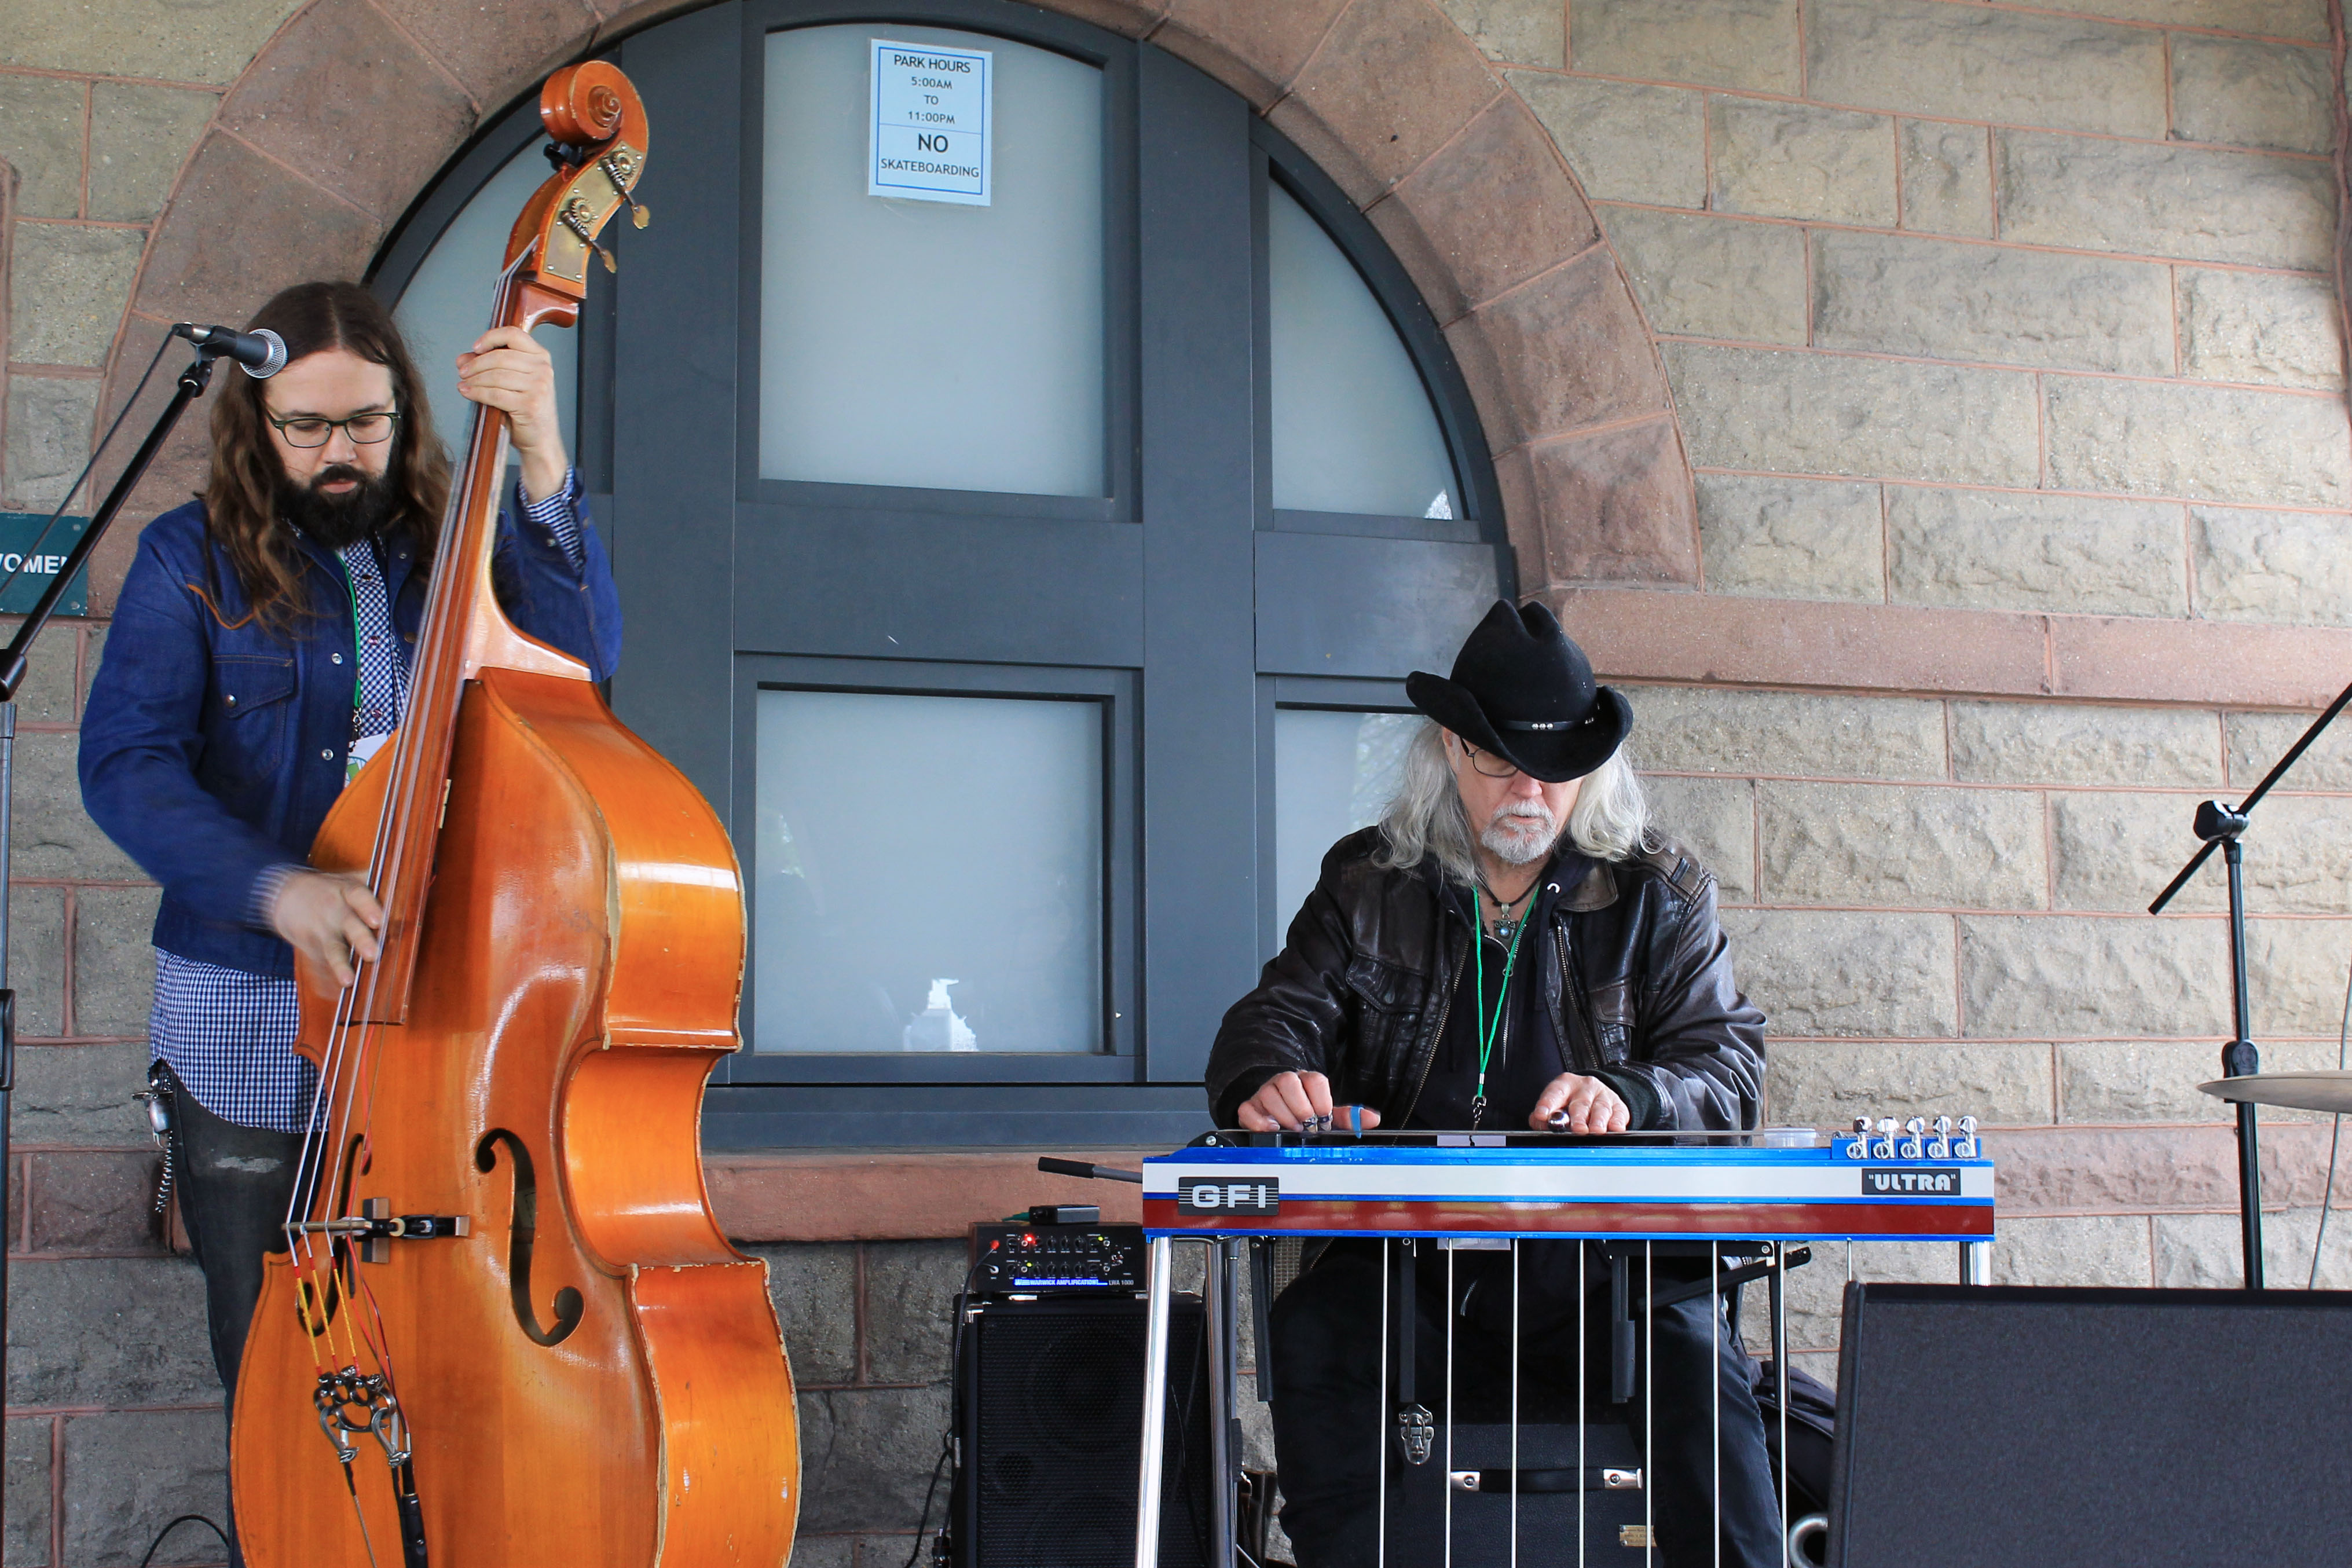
[(1333, 774), (1353, 429), (925, 343), (929, 874), (448, 304)]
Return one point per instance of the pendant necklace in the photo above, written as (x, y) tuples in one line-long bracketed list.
[(1506, 927)]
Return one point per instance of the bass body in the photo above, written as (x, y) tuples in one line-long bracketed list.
[(591, 1375)]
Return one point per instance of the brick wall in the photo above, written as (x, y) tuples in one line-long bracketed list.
[(2001, 348)]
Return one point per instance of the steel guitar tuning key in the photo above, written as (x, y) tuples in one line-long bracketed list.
[(1858, 1146), (1915, 1147), (1964, 1147), (1883, 1148), (1939, 1147)]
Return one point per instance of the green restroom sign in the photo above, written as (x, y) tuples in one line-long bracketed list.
[(28, 562)]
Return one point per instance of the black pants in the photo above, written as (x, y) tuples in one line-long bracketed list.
[(1327, 1356), (234, 1183)]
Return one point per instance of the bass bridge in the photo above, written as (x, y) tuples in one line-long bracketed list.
[(376, 1228)]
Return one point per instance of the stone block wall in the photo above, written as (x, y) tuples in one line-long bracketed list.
[(1932, 411), (2028, 314), (1940, 905)]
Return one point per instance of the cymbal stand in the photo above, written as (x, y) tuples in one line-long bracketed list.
[(2222, 827)]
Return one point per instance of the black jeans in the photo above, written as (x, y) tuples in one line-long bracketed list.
[(1327, 1355), (234, 1184)]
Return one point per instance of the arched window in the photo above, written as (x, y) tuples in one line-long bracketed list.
[(1026, 566)]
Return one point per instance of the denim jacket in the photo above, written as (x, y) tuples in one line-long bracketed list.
[(212, 747)]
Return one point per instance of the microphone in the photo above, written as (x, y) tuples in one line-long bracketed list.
[(262, 354)]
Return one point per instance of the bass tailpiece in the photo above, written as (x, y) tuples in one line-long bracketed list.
[(352, 1405)]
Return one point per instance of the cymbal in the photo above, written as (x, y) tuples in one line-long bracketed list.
[(2294, 1090)]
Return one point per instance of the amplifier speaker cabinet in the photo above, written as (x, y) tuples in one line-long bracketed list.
[(1049, 1418), (2057, 1425)]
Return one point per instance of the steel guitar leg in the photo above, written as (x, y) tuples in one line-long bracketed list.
[(1976, 1262), (1155, 1405), (1380, 1432), (1219, 1294), (1448, 1493), (1715, 1345), (1780, 1378)]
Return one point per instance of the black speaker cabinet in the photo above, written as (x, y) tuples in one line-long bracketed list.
[(1049, 1418), (2049, 1426)]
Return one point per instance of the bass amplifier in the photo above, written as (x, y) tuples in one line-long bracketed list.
[(1048, 1426), (1019, 1257)]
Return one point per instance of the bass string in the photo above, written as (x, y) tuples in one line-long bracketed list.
[(329, 1124)]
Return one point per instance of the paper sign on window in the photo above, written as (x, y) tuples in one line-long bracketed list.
[(934, 123)]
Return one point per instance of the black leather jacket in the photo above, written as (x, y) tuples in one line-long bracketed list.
[(1637, 979)]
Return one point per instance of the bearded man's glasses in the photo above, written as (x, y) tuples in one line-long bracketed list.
[(364, 429)]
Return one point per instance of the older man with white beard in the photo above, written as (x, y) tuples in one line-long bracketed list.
[(1511, 947)]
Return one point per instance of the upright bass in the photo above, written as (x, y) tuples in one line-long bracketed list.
[(506, 1329)]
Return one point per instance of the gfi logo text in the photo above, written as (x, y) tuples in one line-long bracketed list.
[(1228, 1197)]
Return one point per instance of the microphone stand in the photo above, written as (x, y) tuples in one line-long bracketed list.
[(2220, 827), (14, 663)]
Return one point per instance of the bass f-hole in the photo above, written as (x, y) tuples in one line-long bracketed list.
[(522, 1234)]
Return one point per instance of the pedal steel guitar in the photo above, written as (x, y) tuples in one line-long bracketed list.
[(1746, 1194)]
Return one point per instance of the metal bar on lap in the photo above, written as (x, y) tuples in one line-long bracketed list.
[(1155, 1404), (1380, 1425), (1218, 1295), (1714, 1339)]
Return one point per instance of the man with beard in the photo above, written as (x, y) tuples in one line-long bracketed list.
[(1511, 948), (259, 655)]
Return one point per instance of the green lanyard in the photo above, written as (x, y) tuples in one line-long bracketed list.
[(1491, 1029)]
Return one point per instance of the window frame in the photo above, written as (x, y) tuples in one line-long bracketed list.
[(1115, 58), (704, 533), (1312, 693), (1478, 513), (1117, 694)]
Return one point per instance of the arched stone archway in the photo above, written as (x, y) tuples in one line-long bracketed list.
[(355, 105)]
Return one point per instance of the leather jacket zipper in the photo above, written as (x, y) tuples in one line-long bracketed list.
[(1436, 1039), (1582, 1042)]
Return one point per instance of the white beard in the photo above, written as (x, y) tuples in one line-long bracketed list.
[(1521, 833)]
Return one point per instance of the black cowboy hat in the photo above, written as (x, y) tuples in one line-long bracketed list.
[(1523, 690)]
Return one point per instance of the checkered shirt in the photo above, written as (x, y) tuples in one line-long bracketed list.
[(228, 1034)]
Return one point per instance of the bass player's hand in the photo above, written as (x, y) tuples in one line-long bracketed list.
[(329, 917)]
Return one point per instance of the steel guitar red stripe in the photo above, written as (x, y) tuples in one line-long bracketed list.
[(1635, 1218)]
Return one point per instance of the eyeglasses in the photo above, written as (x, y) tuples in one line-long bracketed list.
[(309, 430), (1488, 763)]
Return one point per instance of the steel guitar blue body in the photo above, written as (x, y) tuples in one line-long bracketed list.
[(1789, 1185)]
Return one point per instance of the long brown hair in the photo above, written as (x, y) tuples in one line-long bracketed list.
[(240, 498)]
